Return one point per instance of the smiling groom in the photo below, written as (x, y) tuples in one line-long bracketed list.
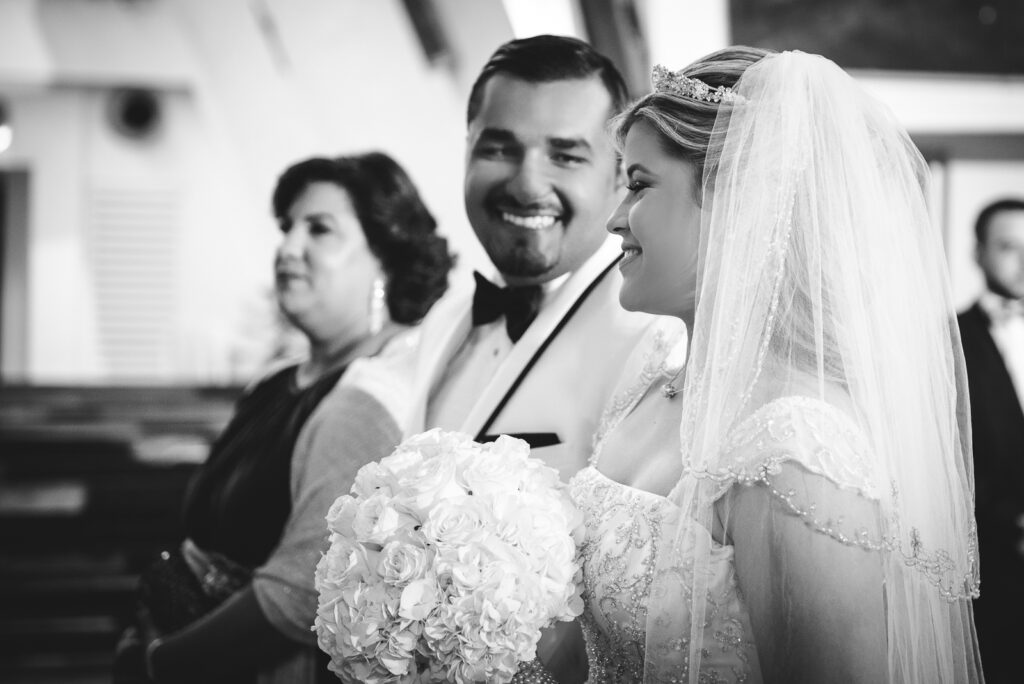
[(530, 351)]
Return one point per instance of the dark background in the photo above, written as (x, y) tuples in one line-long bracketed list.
[(972, 36)]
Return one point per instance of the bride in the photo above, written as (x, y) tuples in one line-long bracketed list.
[(819, 524)]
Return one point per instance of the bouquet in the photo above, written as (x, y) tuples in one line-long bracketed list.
[(446, 562)]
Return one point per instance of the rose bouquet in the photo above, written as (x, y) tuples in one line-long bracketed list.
[(446, 562)]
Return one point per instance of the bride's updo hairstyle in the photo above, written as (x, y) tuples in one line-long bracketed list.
[(686, 123)]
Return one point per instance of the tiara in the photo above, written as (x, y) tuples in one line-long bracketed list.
[(674, 83)]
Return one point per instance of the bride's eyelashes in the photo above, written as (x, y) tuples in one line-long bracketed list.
[(635, 186)]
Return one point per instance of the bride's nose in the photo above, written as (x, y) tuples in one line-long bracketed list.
[(618, 222)]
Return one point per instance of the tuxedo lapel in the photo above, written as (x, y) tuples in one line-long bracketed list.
[(985, 362), (547, 324)]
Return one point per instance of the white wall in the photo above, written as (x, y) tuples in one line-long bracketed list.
[(49, 144), (954, 105), (247, 88), (681, 32)]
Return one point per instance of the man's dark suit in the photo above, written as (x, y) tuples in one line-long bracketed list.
[(998, 436)]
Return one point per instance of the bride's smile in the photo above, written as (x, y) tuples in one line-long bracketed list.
[(629, 253), (659, 226)]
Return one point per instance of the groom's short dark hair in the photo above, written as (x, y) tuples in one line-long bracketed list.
[(542, 59)]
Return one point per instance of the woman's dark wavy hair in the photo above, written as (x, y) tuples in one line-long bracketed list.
[(399, 229)]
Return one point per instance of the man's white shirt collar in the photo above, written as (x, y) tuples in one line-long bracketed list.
[(1007, 330)]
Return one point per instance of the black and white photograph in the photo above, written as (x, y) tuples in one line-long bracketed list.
[(511, 341)]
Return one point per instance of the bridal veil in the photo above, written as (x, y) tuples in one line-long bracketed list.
[(825, 374)]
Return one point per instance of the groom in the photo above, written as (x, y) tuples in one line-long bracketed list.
[(533, 359), (531, 349)]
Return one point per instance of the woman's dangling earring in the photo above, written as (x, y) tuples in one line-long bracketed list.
[(378, 305)]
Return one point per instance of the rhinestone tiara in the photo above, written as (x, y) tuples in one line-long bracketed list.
[(675, 83)]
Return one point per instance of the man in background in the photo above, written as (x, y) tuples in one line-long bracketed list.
[(992, 331)]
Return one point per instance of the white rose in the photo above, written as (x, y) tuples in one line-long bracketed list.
[(435, 442), (510, 449), (402, 562), (341, 515), (539, 523), (456, 523), (395, 524), (378, 521), (492, 473), (540, 478), (400, 462), (367, 512), (371, 478), (345, 562), (430, 482)]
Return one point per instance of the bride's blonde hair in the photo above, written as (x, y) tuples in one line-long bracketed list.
[(686, 123)]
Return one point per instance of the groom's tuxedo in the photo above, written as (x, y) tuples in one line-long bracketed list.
[(550, 388), (998, 437)]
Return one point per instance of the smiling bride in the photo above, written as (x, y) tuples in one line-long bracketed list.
[(794, 504)]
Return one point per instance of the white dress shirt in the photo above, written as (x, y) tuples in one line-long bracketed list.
[(473, 366), (1007, 330)]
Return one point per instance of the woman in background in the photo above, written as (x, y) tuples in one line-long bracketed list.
[(359, 264)]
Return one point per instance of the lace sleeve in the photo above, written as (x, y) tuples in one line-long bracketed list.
[(816, 607), (807, 431), (804, 479)]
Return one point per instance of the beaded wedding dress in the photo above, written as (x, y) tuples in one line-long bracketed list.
[(623, 527)]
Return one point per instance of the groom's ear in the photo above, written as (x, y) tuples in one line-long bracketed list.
[(620, 173)]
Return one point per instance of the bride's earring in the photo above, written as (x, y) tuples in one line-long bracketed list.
[(378, 305)]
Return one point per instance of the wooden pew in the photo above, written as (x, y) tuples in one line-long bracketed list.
[(91, 482)]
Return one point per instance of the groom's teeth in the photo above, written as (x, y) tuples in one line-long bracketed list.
[(629, 252), (531, 222)]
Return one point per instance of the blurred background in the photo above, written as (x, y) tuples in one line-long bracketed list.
[(139, 144)]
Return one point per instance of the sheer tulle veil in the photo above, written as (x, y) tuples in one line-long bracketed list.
[(822, 277)]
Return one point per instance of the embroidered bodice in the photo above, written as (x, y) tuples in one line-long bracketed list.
[(624, 526), (619, 553)]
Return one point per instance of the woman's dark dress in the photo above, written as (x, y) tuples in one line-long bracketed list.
[(239, 499)]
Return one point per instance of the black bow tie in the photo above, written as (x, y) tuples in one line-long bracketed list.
[(1005, 310), (519, 305)]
